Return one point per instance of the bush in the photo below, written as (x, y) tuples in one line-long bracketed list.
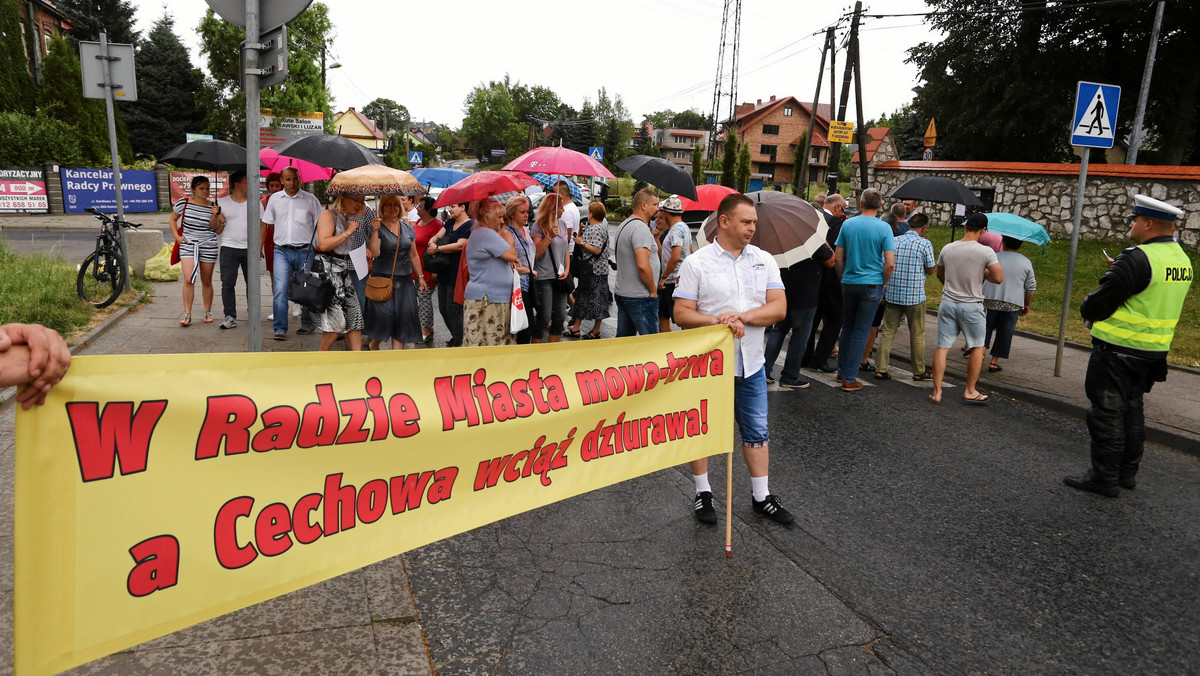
[(612, 204), (30, 141), (621, 213)]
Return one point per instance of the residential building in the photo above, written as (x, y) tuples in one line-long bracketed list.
[(355, 126), (676, 143), (48, 21), (881, 147), (773, 129)]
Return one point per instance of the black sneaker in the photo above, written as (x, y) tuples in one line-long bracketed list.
[(1085, 482), (704, 508), (797, 384), (771, 507)]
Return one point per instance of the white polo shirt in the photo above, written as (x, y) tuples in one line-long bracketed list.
[(719, 283), (294, 218)]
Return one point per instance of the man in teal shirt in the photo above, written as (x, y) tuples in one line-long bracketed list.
[(865, 260)]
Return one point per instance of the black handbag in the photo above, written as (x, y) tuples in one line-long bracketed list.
[(437, 263), (310, 288)]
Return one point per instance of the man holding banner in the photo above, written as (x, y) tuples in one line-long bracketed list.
[(734, 283)]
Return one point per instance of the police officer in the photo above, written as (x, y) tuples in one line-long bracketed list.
[(1132, 316)]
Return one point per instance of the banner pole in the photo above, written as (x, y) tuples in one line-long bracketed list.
[(729, 504)]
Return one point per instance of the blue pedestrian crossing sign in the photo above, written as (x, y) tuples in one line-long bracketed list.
[(596, 153), (1095, 115), (416, 158)]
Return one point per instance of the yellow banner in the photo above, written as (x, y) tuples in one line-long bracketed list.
[(154, 492)]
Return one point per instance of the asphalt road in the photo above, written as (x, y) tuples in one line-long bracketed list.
[(72, 245), (929, 539)]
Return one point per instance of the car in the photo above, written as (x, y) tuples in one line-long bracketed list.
[(535, 200)]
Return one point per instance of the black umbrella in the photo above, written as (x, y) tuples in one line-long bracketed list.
[(663, 174), (208, 154), (328, 150), (935, 189)]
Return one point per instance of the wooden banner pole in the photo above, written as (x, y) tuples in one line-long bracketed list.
[(729, 504)]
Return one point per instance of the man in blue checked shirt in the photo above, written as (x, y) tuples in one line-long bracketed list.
[(904, 296)]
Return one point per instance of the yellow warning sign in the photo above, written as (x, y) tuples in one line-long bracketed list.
[(930, 134), (841, 132)]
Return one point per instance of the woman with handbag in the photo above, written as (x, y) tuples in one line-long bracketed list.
[(552, 265), (196, 222), (489, 293), (335, 227), (593, 297), (391, 294), (516, 232), (428, 229)]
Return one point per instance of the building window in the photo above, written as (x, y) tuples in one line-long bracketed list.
[(768, 150), (787, 112), (770, 130)]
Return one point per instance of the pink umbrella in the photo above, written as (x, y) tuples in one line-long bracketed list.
[(558, 160), (308, 170)]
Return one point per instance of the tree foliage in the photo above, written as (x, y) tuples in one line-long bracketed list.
[(660, 119), (729, 159), (166, 109), (303, 92), (387, 114), (61, 97), (690, 119), (30, 140), (16, 83), (697, 165), (1002, 86), (616, 127), (743, 168), (89, 17)]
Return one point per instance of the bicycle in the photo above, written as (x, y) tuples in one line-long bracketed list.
[(102, 274)]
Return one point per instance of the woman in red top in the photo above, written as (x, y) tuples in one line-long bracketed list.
[(428, 229)]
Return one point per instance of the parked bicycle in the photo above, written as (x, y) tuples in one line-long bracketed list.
[(102, 274)]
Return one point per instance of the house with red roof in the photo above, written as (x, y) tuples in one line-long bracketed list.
[(358, 128), (881, 147), (774, 129)]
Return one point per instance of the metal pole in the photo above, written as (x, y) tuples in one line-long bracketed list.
[(1066, 307), (253, 235), (106, 63), (1135, 140), (802, 179)]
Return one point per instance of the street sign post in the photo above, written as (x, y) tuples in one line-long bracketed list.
[(596, 153), (931, 134), (273, 13), (927, 154), (1093, 127), (415, 158), (841, 132), (272, 58)]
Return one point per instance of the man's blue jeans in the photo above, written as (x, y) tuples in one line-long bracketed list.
[(636, 316), (859, 304), (799, 322), (286, 260)]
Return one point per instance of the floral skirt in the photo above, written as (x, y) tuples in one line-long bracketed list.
[(343, 314), (592, 298), (487, 323)]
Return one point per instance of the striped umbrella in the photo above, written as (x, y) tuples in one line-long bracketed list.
[(788, 228), (548, 181)]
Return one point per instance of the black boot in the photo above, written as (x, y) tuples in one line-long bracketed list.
[(1085, 482)]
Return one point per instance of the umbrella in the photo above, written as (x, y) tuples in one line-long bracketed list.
[(663, 174), (328, 150), (789, 228), (1012, 225), (274, 162), (935, 189), (483, 184), (374, 179), (558, 160), (708, 197), (548, 181), (209, 154), (439, 178)]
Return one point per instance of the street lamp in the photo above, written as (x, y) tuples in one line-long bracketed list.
[(333, 65)]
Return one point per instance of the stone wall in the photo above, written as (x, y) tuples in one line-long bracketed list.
[(1045, 193)]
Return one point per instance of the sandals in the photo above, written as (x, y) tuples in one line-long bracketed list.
[(571, 333), (978, 400), (592, 335), (927, 375), (208, 318), (995, 368), (866, 366), (186, 320), (882, 375)]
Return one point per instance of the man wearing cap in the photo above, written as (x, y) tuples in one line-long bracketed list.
[(1132, 315), (676, 245)]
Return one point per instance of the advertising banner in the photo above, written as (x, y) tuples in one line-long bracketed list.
[(83, 188), (23, 191), (181, 184), (154, 492), (275, 130)]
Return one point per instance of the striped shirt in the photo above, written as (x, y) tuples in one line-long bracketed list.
[(914, 254), (193, 220)]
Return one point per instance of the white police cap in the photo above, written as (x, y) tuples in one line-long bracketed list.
[(1148, 206)]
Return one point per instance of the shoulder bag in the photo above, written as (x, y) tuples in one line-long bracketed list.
[(437, 263), (310, 289), (379, 288)]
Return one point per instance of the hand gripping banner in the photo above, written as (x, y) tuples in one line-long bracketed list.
[(154, 492)]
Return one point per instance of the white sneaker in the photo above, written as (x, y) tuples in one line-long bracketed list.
[(229, 323), (271, 318), (296, 311)]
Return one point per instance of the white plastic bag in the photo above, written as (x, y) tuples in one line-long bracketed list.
[(518, 320)]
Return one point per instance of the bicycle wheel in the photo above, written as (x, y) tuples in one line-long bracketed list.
[(101, 278)]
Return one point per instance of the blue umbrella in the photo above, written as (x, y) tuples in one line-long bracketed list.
[(438, 178), (1012, 225), (551, 180)]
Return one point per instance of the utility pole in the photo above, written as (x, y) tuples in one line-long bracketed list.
[(802, 177), (1135, 140), (835, 149), (858, 105)]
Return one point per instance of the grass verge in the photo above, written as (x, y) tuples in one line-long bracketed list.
[(1051, 271)]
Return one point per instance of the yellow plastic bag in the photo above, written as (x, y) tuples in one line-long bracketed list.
[(159, 268)]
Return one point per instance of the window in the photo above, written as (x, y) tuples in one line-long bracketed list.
[(770, 130), (768, 150), (787, 112)]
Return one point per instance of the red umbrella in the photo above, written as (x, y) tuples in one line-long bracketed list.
[(709, 197), (308, 171), (558, 160), (484, 184)]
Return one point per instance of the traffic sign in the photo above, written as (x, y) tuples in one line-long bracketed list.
[(1095, 115), (931, 134), (415, 157), (91, 61), (596, 153), (271, 14), (927, 154), (841, 132)]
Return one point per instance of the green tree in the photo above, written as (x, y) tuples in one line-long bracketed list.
[(616, 127), (743, 168), (61, 97), (490, 117), (16, 84), (166, 109), (89, 17), (690, 119), (697, 165), (660, 119), (387, 114), (729, 159), (303, 92)]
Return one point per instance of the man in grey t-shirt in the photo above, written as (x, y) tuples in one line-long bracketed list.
[(962, 267), (637, 269)]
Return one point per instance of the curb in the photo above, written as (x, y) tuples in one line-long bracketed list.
[(8, 393)]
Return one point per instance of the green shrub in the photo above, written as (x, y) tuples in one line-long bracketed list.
[(30, 140), (612, 204)]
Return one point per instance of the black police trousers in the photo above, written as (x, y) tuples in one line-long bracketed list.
[(1114, 384)]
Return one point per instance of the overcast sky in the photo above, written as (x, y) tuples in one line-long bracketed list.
[(656, 54)]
